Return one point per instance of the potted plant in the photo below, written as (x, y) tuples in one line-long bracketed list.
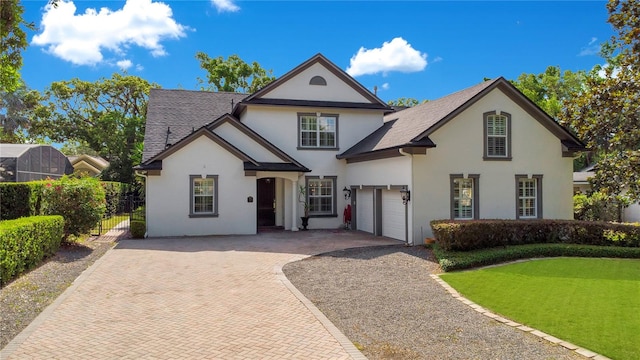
[(302, 197)]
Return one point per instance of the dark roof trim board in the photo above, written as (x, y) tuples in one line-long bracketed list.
[(386, 153), (315, 103), (203, 131), (276, 167), (318, 58), (253, 136)]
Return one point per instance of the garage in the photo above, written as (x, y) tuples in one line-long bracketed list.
[(393, 222), (364, 210)]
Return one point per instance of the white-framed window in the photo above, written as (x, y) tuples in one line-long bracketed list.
[(528, 197), (321, 195), (464, 196), (318, 131), (203, 196), (497, 136)]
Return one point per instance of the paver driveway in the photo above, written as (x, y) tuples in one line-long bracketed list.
[(208, 297)]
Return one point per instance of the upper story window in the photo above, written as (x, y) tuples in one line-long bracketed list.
[(317, 131), (318, 80), (497, 136)]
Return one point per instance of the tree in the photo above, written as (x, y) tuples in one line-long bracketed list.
[(550, 89), (405, 102), (233, 74), (16, 109), (107, 115), (13, 40), (607, 113)]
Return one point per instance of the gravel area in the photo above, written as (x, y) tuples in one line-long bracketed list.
[(385, 302), (23, 299)]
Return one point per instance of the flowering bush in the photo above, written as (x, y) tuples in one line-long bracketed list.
[(80, 201)]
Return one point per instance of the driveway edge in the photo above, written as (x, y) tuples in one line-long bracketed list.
[(15, 343), (346, 344), (456, 295)]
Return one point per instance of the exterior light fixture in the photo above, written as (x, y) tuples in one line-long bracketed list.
[(347, 193), (406, 195)]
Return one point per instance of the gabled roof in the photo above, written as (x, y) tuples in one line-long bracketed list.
[(257, 97), (411, 127), (174, 114), (96, 162), (286, 158)]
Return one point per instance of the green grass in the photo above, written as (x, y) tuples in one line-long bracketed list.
[(591, 302)]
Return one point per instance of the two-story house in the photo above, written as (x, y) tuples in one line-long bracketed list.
[(223, 163)]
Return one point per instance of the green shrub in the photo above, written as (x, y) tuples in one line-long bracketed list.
[(20, 199), (480, 234), (138, 228), (80, 201), (596, 207), (139, 213), (26, 241), (114, 192), (459, 260)]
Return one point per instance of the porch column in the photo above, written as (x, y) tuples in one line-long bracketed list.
[(294, 205)]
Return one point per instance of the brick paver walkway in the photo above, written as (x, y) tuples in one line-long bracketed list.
[(209, 298)]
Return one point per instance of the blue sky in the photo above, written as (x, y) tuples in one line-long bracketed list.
[(419, 49)]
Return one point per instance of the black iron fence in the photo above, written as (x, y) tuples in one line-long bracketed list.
[(119, 214)]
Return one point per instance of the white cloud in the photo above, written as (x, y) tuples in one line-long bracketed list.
[(385, 86), (437, 59), (124, 64), (603, 71), (395, 55), (592, 48), (139, 67), (225, 5), (82, 39)]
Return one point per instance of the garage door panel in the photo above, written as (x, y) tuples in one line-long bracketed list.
[(364, 210), (393, 215)]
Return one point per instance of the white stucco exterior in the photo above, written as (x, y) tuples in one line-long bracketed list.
[(168, 195), (459, 150)]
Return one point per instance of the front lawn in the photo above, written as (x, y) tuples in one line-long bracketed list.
[(591, 302)]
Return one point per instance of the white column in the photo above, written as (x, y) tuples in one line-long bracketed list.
[(294, 205)]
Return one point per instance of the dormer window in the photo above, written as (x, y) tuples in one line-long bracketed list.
[(497, 136), (318, 80)]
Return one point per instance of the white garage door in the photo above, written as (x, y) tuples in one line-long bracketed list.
[(392, 215), (364, 210)]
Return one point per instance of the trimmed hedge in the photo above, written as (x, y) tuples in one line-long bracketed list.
[(26, 241), (459, 260), (20, 199), (138, 228), (480, 234)]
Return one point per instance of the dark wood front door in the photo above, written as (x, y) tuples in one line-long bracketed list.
[(266, 202)]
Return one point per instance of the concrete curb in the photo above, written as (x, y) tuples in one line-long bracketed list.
[(456, 295), (346, 344)]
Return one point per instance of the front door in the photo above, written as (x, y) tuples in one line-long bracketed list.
[(266, 202)]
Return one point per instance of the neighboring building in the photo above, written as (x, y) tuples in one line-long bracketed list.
[(87, 165), (222, 163), (582, 185), (27, 162)]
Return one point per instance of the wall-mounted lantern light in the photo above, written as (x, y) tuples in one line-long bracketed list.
[(406, 195), (347, 193)]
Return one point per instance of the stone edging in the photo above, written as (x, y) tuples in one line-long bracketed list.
[(346, 344), (456, 295)]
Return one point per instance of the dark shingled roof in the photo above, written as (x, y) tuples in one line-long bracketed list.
[(182, 112), (403, 128)]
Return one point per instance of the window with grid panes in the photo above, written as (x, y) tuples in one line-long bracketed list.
[(318, 131), (321, 196), (463, 198)]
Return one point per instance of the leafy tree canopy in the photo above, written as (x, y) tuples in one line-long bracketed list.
[(606, 115), (16, 109), (14, 40), (107, 115), (233, 74), (405, 102)]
